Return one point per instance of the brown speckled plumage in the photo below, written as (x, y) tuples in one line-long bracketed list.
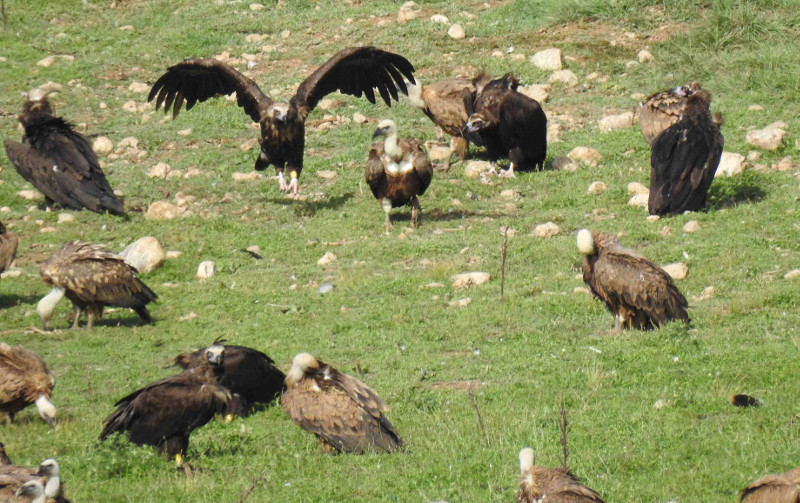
[(8, 247), (663, 109), (553, 485), (783, 488), (23, 378)]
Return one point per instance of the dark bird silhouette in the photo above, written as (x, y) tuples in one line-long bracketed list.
[(551, 485), (8, 247), (92, 277), (164, 413), (783, 488), (354, 71), (684, 159), (637, 292), (345, 414), (4, 459), (59, 161), (249, 375), (25, 380), (663, 109), (398, 171), (509, 124)]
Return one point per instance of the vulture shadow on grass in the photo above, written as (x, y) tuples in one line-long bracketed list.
[(732, 191), (310, 208), (11, 300)]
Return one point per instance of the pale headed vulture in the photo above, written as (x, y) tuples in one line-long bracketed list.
[(551, 485), (510, 125), (8, 247), (398, 171), (59, 161), (684, 159), (164, 413), (249, 375), (663, 109), (33, 490), (48, 473), (92, 277), (354, 71), (783, 488), (637, 292), (24, 380), (345, 414)]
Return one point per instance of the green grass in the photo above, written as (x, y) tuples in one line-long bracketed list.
[(539, 347)]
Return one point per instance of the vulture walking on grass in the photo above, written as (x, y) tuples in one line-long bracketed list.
[(8, 247), (92, 277), (59, 161), (684, 159), (248, 374), (661, 110), (25, 380), (550, 485), (345, 414), (354, 71), (637, 292), (164, 413), (783, 488), (398, 171)]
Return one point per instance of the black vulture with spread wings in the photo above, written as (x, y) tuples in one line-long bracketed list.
[(354, 71)]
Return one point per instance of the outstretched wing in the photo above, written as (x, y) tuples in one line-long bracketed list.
[(356, 71), (194, 80)]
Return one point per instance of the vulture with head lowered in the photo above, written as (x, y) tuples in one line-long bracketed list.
[(552, 485), (783, 488), (398, 171), (249, 375), (8, 247), (510, 125), (684, 159), (25, 380), (92, 277), (354, 71), (345, 414), (661, 110), (637, 292), (59, 161), (164, 413)]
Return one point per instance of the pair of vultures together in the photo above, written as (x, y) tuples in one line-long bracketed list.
[(39, 485)]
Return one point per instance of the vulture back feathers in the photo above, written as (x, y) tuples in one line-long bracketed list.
[(25, 380), (663, 109), (783, 488), (553, 485), (8, 247)]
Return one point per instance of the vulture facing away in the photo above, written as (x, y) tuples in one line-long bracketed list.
[(8, 247), (550, 485), (24, 380), (398, 171), (354, 71), (249, 375), (783, 488), (509, 124), (345, 414), (684, 159), (92, 277), (164, 413), (59, 161), (661, 110), (637, 292)]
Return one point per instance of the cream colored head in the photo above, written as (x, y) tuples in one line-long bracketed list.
[(46, 409), (386, 128), (33, 490), (51, 471), (526, 459), (47, 306), (215, 354), (585, 242), (300, 365), (35, 95), (280, 111)]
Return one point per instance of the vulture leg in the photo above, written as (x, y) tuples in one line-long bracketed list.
[(415, 212), (507, 173), (77, 317), (492, 169), (294, 186), (282, 182), (446, 167), (386, 204), (89, 319), (48, 204)]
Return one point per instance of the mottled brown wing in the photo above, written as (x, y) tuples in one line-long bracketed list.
[(660, 111), (374, 173), (9, 483), (574, 493), (23, 374), (770, 489), (356, 71), (8, 247), (196, 80), (421, 162), (444, 102)]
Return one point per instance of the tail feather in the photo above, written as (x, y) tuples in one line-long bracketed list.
[(117, 421)]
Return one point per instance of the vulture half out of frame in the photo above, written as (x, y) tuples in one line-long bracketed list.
[(663, 109), (398, 171), (345, 414), (8, 247), (92, 277), (354, 71), (684, 159), (25, 380), (13, 477), (59, 161), (552, 485), (637, 292), (783, 488)]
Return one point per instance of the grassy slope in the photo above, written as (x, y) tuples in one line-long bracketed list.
[(531, 352)]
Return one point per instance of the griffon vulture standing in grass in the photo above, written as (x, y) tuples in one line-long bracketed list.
[(345, 414), (24, 380), (354, 71), (8, 247), (637, 292), (59, 161), (684, 159), (249, 375), (164, 413), (783, 488), (92, 277), (550, 485), (661, 110), (397, 171), (510, 124)]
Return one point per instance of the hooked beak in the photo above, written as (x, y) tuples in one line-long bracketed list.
[(216, 359), (280, 117), (51, 421), (380, 132), (469, 127)]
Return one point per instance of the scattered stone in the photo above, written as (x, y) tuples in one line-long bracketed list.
[(553, 131), (460, 302), (581, 289), (456, 32), (564, 164), (755, 108), (207, 269), (145, 254), (707, 293), (11, 273), (639, 200), (173, 254), (250, 175), (129, 106), (102, 145), (185, 132), (468, 279), (676, 270), (65, 218), (330, 103), (327, 174), (548, 59), (498, 54), (546, 230), (653, 218), (509, 194), (644, 56), (139, 87), (163, 210), (189, 316), (31, 195), (768, 138), (637, 188), (256, 7), (326, 259), (752, 156), (597, 188), (51, 87), (538, 92), (585, 155), (691, 226), (473, 169), (45, 230), (439, 153), (49, 60), (784, 164), (359, 118), (192, 172), (566, 77), (618, 121), (730, 164), (160, 170), (5, 209), (325, 288), (439, 18), (660, 404), (794, 273), (128, 142), (407, 12)]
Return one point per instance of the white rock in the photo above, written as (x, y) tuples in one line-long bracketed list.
[(49, 60), (676, 270), (139, 87), (102, 145), (538, 92), (562, 163), (329, 104), (286, 34), (618, 121), (45, 230), (250, 175), (185, 132), (256, 7), (51, 87), (639, 200), (730, 164), (546, 230), (585, 155), (498, 54), (407, 12), (127, 142), (468, 279), (644, 56), (752, 156), (637, 188), (160, 170), (31, 195), (597, 188), (794, 273), (65, 218), (145, 254), (207, 269), (5, 209), (707, 293), (691, 226), (129, 106), (755, 108), (509, 194), (189, 316), (473, 169), (769, 138), (660, 404), (460, 302), (326, 259), (548, 59), (325, 288), (326, 174), (163, 210), (173, 254), (439, 153), (566, 77), (456, 32), (439, 18), (653, 218), (359, 118)]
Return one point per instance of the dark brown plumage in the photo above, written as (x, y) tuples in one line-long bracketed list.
[(783, 488), (510, 125), (164, 413), (550, 485), (637, 292), (249, 375), (343, 412), (684, 160), (25, 380), (354, 71), (741, 400), (4, 459), (398, 171), (59, 161), (663, 109), (92, 277), (8, 247)]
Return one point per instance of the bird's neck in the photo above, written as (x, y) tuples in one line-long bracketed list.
[(52, 486), (47, 305), (392, 149)]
